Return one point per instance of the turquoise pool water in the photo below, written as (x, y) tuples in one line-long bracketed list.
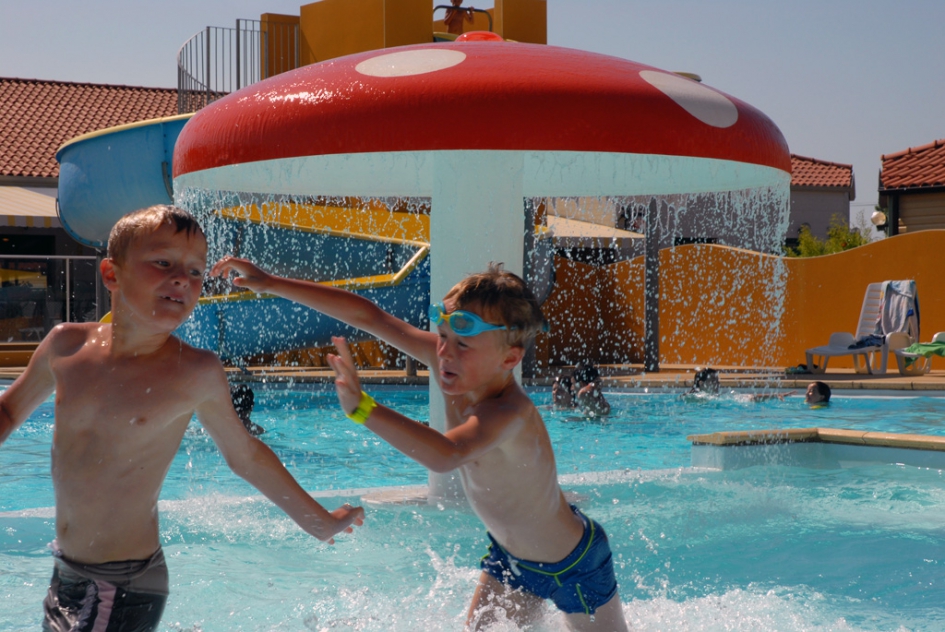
[(764, 548)]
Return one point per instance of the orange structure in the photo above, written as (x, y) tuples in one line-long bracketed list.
[(712, 296), (334, 28)]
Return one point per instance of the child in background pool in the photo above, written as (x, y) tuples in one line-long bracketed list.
[(818, 394), (705, 382), (541, 547), (562, 392), (588, 393), (454, 17), (244, 400), (125, 394)]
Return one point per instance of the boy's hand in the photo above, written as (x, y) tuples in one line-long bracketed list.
[(347, 515), (249, 274), (347, 384)]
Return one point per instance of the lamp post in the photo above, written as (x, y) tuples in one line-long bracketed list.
[(879, 220)]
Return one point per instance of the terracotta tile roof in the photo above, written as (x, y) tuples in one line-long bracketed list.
[(811, 172), (915, 167), (38, 116)]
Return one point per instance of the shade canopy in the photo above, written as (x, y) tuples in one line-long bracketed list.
[(584, 123)]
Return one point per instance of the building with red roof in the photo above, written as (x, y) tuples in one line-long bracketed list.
[(912, 188), (38, 116), (819, 190), (46, 276)]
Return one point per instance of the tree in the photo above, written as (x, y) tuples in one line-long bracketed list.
[(840, 236)]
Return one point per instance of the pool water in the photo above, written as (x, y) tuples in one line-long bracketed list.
[(762, 548)]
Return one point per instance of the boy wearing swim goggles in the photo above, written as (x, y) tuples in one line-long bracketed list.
[(541, 547)]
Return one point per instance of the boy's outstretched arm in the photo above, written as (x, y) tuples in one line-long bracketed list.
[(29, 390), (257, 464), (343, 305), (435, 451)]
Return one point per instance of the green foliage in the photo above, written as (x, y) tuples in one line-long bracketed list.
[(840, 236)]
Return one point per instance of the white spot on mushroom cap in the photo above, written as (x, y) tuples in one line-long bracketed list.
[(410, 62), (707, 105)]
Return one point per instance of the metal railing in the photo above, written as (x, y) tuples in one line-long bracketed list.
[(219, 60), (39, 292)]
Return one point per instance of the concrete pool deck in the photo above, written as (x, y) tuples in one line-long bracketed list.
[(618, 377), (631, 377), (814, 447)]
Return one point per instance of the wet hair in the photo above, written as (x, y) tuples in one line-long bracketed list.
[(565, 381), (146, 221), (586, 372), (703, 376), (503, 298), (243, 399), (823, 390)]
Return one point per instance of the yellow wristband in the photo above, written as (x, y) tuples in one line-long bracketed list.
[(360, 414)]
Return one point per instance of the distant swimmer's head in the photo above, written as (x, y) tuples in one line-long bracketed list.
[(243, 399), (818, 394), (705, 381), (146, 221), (502, 298), (586, 373)]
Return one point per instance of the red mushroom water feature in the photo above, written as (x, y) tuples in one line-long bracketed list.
[(478, 126)]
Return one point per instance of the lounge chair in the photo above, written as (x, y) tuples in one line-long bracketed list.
[(916, 359), (888, 307), (839, 345)]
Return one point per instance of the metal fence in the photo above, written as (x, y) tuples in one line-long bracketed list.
[(219, 60), (37, 293)]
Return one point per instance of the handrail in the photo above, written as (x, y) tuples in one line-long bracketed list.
[(359, 283), (390, 279), (461, 8), (232, 213)]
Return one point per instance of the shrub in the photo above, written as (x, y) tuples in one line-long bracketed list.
[(840, 236)]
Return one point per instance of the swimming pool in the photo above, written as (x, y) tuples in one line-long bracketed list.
[(762, 548)]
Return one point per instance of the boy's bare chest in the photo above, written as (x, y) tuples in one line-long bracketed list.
[(113, 396)]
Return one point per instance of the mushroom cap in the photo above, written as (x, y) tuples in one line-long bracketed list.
[(477, 96)]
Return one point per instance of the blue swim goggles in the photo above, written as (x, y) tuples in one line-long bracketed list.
[(462, 323)]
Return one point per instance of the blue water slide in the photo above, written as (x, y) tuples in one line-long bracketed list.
[(110, 172)]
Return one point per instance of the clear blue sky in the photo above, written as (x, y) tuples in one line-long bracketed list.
[(845, 80)]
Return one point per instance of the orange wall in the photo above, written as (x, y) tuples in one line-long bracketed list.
[(407, 22), (573, 313), (715, 302), (825, 293), (333, 28), (522, 20), (280, 43)]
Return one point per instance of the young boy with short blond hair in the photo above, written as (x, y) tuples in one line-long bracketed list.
[(125, 394), (455, 16), (541, 547)]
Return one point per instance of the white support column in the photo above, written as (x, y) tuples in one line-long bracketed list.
[(477, 216)]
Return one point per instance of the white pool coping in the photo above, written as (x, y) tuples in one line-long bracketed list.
[(822, 448)]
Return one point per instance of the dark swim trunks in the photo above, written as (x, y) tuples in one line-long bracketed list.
[(581, 582), (111, 597)]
